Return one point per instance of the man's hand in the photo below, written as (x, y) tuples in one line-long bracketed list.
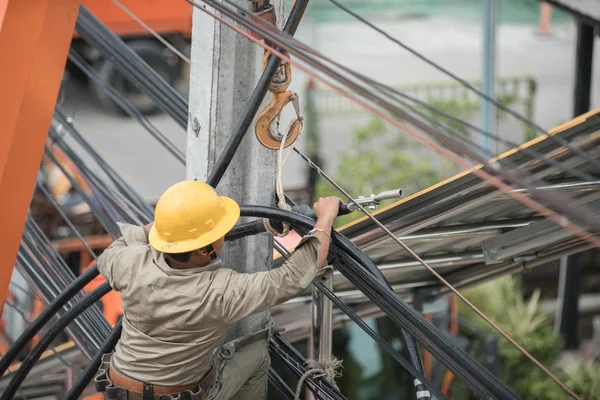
[(148, 227), (327, 207)]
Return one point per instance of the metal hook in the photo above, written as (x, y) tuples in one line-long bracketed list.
[(281, 97)]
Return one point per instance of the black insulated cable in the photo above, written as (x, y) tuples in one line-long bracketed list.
[(67, 220), (297, 363), (117, 180), (369, 331), (400, 312), (126, 105), (92, 367), (132, 66), (46, 315), (49, 336), (449, 149), (279, 384), (255, 100), (466, 84), (107, 224)]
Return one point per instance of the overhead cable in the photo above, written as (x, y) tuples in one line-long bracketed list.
[(255, 100), (126, 105), (135, 69), (466, 84), (152, 32), (577, 213), (438, 276), (369, 331)]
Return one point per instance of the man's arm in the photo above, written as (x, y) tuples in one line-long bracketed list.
[(246, 294), (108, 262)]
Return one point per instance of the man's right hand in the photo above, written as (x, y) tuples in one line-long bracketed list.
[(328, 207)]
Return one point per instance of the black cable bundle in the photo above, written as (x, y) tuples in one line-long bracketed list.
[(132, 66)]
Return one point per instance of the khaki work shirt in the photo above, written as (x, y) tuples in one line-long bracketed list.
[(174, 319)]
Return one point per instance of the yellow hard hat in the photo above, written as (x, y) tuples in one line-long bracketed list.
[(189, 216)]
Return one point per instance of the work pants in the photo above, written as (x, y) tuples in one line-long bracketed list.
[(241, 373)]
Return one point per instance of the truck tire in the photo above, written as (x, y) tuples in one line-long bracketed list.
[(165, 63)]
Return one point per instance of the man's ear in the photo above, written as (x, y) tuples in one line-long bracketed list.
[(202, 251)]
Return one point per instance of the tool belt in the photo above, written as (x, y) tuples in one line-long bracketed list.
[(118, 386)]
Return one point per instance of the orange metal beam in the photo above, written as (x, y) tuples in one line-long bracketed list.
[(34, 41)]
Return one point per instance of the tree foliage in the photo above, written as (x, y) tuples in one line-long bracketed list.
[(382, 158)]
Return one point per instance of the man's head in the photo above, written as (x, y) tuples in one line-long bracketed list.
[(191, 221)]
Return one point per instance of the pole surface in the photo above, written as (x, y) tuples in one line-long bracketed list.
[(225, 69)]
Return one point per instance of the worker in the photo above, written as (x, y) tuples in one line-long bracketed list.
[(178, 300)]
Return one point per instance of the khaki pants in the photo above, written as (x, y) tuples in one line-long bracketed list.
[(243, 374)]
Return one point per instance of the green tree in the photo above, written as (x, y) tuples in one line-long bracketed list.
[(383, 158), (502, 302)]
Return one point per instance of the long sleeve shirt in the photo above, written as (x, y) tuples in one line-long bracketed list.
[(173, 319)]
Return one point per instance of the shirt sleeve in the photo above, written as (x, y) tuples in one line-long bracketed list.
[(108, 262), (246, 294)]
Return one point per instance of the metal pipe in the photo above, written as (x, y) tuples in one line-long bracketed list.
[(322, 321), (488, 110)]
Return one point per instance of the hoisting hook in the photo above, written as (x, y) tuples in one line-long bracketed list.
[(268, 137)]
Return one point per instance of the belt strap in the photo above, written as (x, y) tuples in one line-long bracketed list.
[(147, 392), (144, 391)]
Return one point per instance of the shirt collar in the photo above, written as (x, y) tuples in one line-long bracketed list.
[(159, 260)]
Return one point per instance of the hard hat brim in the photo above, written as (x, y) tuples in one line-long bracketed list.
[(232, 215)]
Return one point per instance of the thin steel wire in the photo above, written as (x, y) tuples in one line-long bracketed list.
[(68, 221), (466, 84), (560, 220), (152, 32)]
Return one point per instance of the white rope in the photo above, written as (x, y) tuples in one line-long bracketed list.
[(281, 203), (328, 370)]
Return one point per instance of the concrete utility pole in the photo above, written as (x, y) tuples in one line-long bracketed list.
[(225, 68)]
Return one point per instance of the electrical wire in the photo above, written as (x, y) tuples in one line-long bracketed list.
[(440, 278), (49, 336), (345, 255), (92, 367), (108, 225), (152, 32), (559, 203), (126, 105), (576, 212), (409, 341), (369, 331), (21, 312), (255, 101), (67, 220), (122, 186), (131, 66), (410, 251), (463, 82), (46, 315), (393, 94)]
